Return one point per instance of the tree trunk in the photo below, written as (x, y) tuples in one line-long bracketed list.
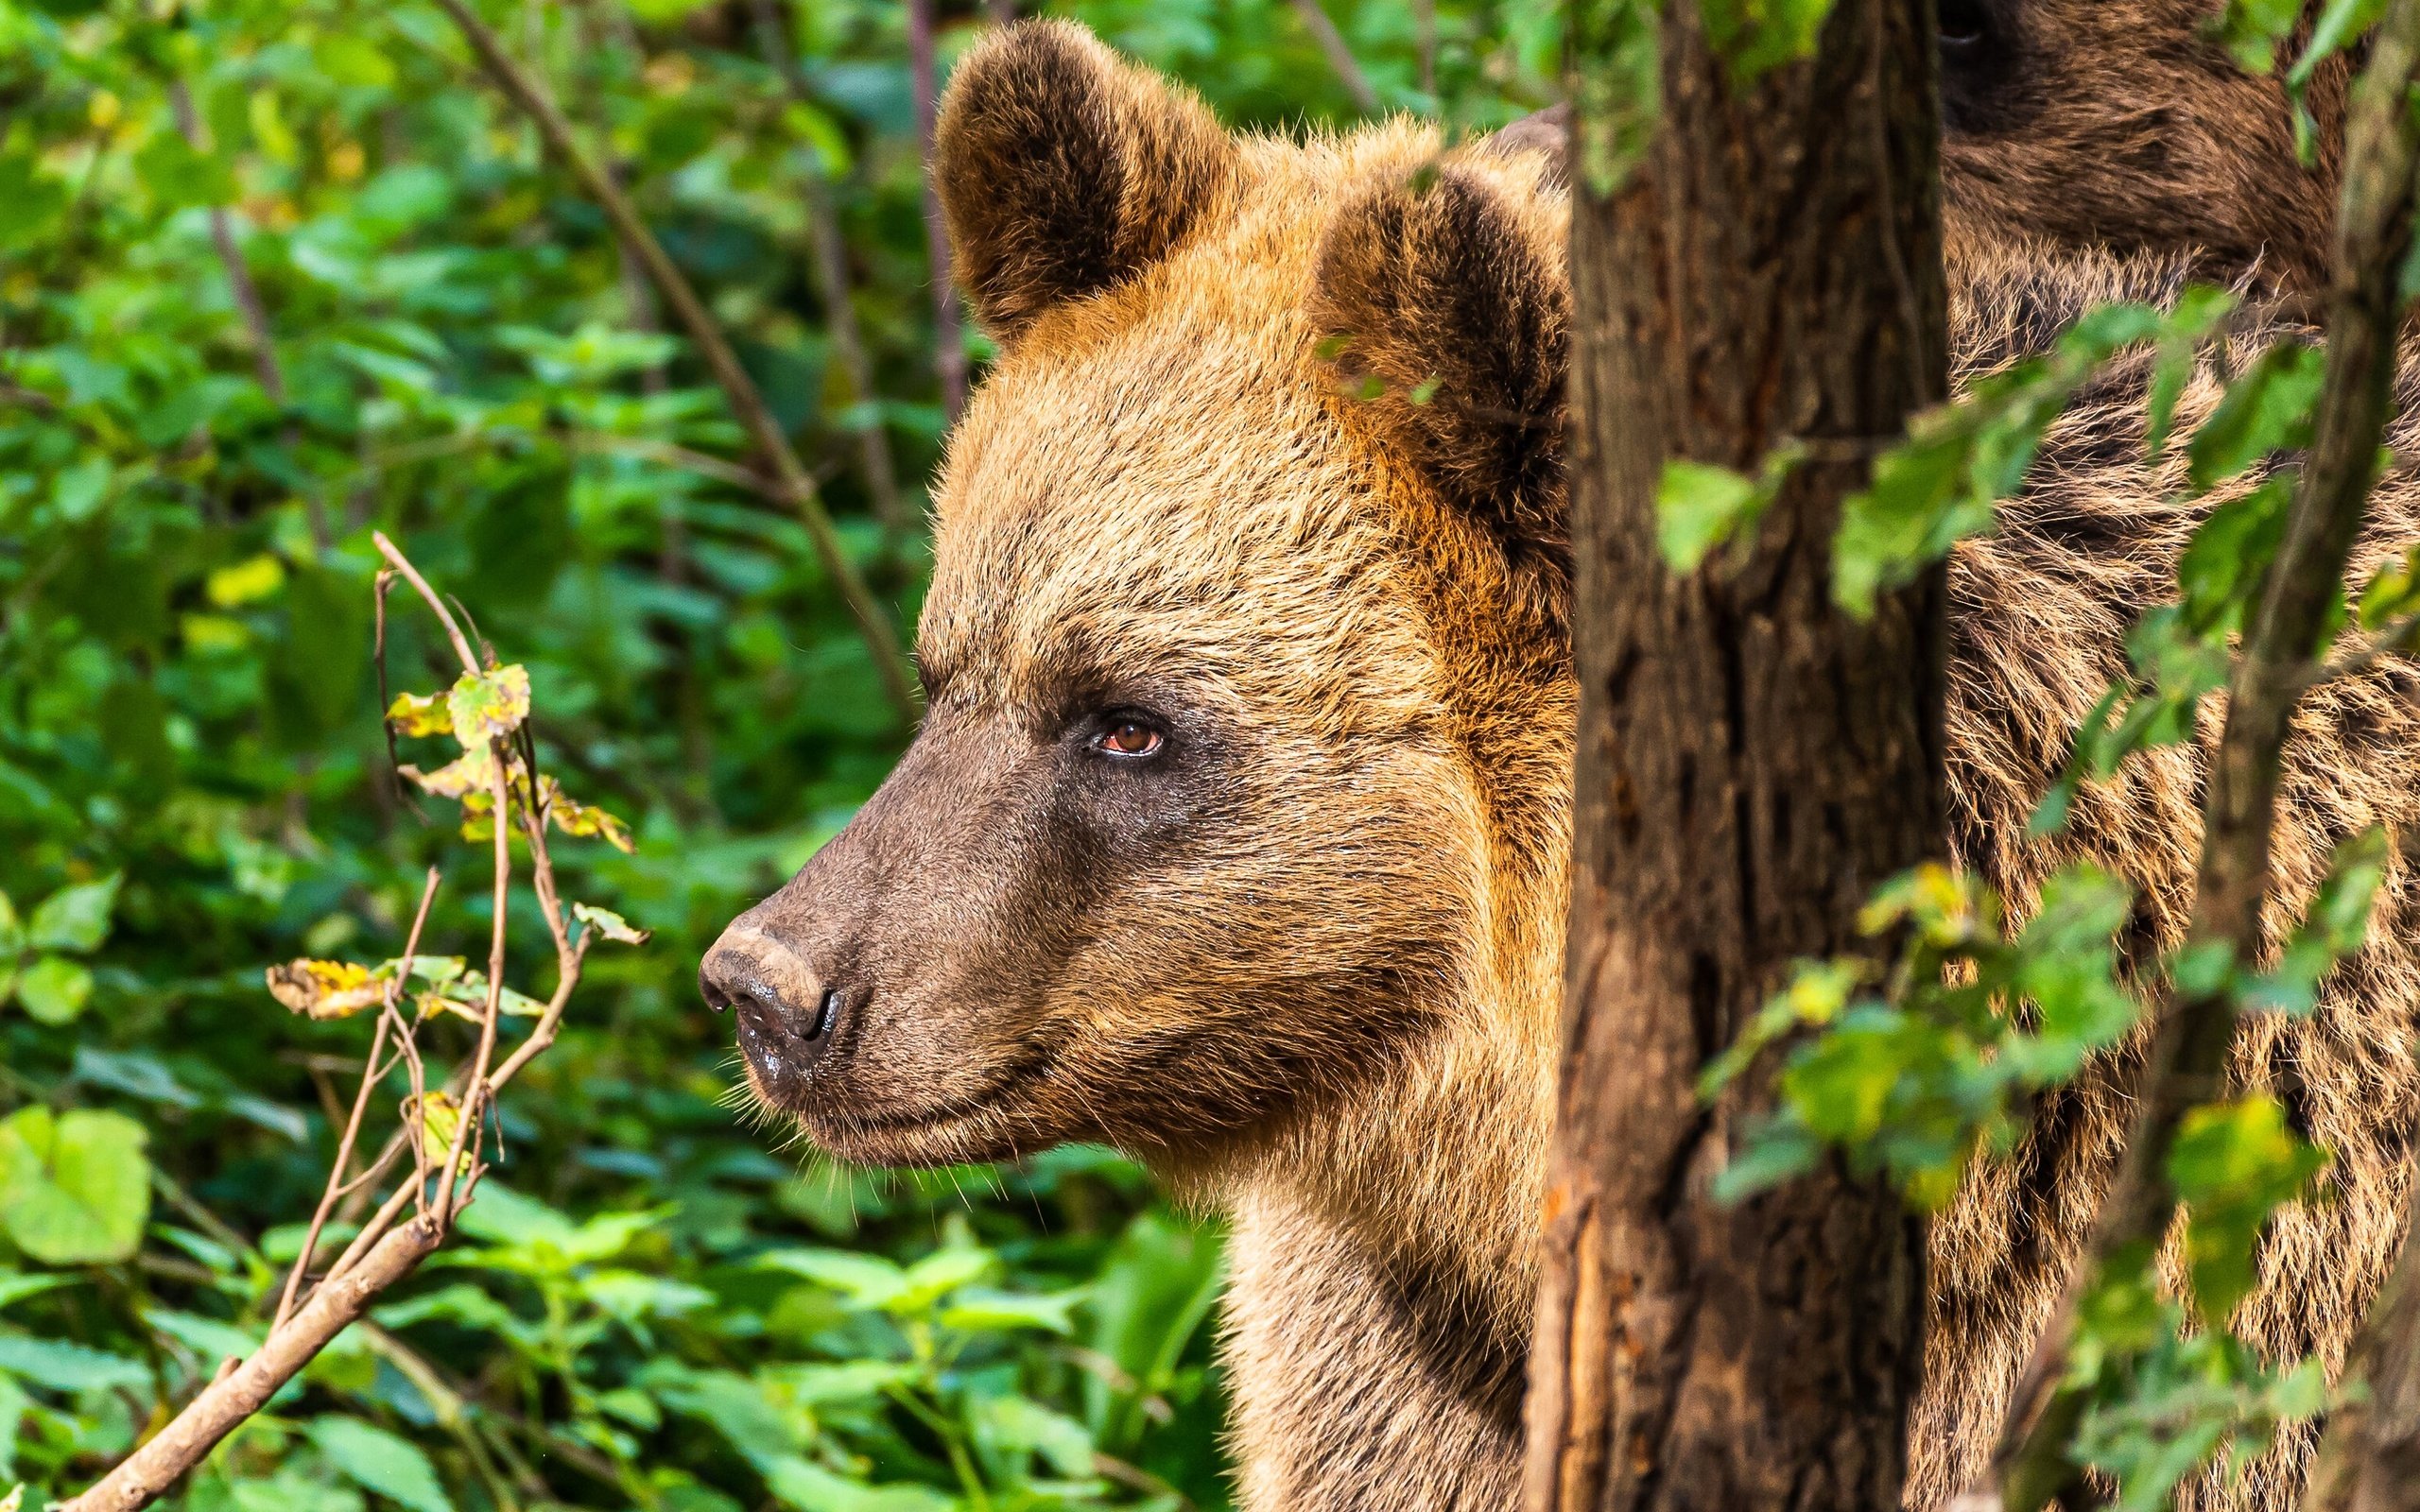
[(1751, 765)]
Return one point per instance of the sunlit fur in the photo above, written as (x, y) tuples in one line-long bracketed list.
[(1331, 1010)]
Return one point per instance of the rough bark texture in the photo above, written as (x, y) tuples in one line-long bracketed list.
[(1751, 763)]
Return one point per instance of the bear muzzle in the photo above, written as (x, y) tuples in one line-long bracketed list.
[(790, 1017)]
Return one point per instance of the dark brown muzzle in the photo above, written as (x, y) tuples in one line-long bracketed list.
[(790, 1014)]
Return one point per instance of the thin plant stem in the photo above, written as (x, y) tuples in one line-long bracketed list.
[(949, 340), (1339, 57), (791, 483), (369, 1077)]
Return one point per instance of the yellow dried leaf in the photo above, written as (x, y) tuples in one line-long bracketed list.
[(420, 714), (611, 924), (489, 705), (474, 772), (324, 990), (574, 817), (434, 1003), (440, 1116)]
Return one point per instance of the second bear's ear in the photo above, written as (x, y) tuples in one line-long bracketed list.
[(1444, 302), (1062, 170)]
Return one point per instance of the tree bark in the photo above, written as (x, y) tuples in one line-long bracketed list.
[(1752, 764)]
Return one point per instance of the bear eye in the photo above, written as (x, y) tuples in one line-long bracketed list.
[(1127, 737), (1964, 27)]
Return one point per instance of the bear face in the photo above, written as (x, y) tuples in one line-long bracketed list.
[(1197, 829)]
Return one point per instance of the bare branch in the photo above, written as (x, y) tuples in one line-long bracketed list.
[(371, 1075), (385, 1250), (238, 1394), (832, 283), (792, 484), (231, 257), (949, 341), (1339, 57)]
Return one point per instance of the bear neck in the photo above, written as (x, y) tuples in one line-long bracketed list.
[(1423, 1182)]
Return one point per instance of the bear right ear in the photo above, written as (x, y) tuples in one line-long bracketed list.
[(1062, 171), (1444, 302)]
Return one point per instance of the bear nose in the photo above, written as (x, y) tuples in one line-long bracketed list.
[(787, 1018)]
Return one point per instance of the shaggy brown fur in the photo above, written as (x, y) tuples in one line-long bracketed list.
[(1303, 954), (2115, 124)]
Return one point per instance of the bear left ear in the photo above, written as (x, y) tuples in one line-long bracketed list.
[(1444, 302), (1062, 170)]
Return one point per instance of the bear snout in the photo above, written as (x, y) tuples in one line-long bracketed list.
[(789, 1014)]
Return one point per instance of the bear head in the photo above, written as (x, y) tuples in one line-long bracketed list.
[(1244, 657)]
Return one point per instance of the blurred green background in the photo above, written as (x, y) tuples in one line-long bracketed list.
[(656, 1302)]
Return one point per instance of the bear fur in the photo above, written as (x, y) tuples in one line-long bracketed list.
[(1268, 471)]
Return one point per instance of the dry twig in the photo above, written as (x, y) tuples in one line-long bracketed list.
[(389, 1245), (949, 342), (791, 483)]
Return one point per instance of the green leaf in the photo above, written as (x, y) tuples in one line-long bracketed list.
[(75, 1188), (2232, 1164), (15, 1286), (736, 1406), (379, 1462), (610, 924), (487, 705), (420, 714), (2267, 409), (1775, 1151), (2251, 30), (2219, 577), (1754, 36), (54, 990), (866, 1280), (1698, 507), (73, 918), (1019, 1426), (79, 491), (809, 1487), (56, 1365), (937, 1275), (2199, 310), (981, 1310), (180, 178), (2334, 926), (2391, 592), (209, 1339)]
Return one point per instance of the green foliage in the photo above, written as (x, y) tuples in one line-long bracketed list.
[(75, 1188), (1914, 1075), (1923, 1069), (1699, 506), (2185, 1397), (1943, 483), (1753, 37), (193, 779)]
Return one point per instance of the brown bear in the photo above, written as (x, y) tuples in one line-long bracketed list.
[(1237, 832)]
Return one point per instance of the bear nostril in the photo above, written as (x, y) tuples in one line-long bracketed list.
[(711, 990), (827, 1013)]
